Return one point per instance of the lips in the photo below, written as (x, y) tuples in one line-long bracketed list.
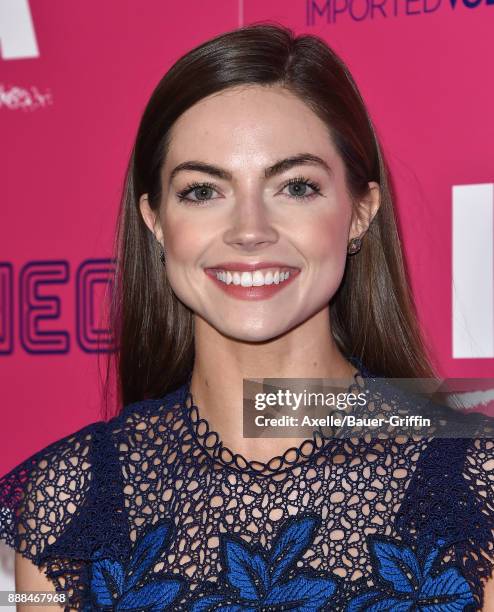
[(252, 292), (249, 267)]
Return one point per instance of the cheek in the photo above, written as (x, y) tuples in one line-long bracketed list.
[(326, 241), (186, 240), (182, 238)]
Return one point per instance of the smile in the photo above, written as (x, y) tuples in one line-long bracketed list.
[(256, 285), (250, 279)]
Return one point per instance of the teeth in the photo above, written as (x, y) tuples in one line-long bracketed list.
[(249, 279), (258, 279), (246, 279)]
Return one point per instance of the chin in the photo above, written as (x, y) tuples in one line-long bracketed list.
[(262, 334)]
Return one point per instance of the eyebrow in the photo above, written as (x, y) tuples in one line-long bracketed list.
[(307, 159)]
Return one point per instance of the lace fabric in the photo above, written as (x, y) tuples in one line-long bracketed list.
[(148, 511), (212, 444)]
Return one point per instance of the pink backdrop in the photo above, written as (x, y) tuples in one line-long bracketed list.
[(69, 116)]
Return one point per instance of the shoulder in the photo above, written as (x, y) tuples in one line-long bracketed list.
[(41, 495), (468, 509), (170, 402), (450, 497), (479, 466), (48, 509), (478, 472), (146, 422), (65, 502)]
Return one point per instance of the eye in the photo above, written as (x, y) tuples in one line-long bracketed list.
[(201, 190), (299, 186)]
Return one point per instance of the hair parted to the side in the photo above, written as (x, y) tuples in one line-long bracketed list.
[(373, 315)]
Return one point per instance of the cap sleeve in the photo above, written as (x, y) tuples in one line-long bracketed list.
[(479, 474), (56, 507)]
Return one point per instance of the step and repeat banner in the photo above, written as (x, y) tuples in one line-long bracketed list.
[(74, 80)]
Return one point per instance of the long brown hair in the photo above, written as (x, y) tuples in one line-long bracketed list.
[(373, 316)]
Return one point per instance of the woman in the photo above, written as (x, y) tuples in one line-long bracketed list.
[(257, 239)]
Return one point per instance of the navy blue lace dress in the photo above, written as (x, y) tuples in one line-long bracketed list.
[(149, 511)]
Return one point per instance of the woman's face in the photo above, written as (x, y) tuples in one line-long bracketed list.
[(245, 210)]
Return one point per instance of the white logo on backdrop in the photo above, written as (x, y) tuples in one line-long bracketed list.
[(17, 35), (24, 98), (18, 41), (473, 271)]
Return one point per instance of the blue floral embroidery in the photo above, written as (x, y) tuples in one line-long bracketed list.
[(114, 585), (254, 578), (407, 584)]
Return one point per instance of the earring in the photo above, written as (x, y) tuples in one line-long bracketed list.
[(162, 252), (354, 245)]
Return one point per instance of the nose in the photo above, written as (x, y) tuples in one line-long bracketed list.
[(250, 227)]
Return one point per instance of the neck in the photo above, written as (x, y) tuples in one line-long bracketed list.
[(221, 364)]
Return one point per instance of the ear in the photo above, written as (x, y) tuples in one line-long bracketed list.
[(151, 218), (366, 211)]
